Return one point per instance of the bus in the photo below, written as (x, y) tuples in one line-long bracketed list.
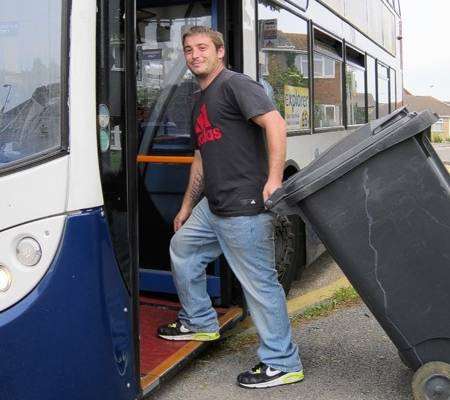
[(95, 103)]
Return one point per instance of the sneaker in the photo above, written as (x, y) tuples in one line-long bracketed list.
[(262, 376), (176, 331)]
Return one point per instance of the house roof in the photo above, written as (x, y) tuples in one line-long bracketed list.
[(420, 103), (299, 40)]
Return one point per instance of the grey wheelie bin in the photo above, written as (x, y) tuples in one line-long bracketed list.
[(380, 202)]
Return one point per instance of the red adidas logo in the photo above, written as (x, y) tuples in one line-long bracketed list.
[(203, 128)]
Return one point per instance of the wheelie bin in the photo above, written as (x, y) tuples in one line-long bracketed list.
[(380, 202)]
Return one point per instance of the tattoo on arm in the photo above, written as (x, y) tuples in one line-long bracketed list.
[(196, 188)]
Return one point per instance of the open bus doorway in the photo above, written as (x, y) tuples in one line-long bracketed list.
[(144, 133)]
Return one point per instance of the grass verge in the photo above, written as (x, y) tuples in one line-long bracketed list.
[(343, 297)]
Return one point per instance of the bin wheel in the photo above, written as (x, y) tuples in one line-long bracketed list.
[(287, 249), (432, 382)]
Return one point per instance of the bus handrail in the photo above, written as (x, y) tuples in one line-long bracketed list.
[(142, 158)]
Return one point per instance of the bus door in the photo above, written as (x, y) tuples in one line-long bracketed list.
[(164, 88)]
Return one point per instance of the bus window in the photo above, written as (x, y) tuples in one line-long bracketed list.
[(355, 87), (30, 80), (393, 91), (375, 13), (327, 81), (383, 90), (164, 84), (371, 89), (356, 12), (398, 90), (283, 64), (389, 39)]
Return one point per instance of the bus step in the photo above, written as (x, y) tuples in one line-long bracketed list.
[(161, 359)]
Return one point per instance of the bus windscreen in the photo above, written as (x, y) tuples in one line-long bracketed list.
[(30, 74)]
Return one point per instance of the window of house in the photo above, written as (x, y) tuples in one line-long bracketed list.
[(438, 126), (330, 112), (324, 67), (329, 68), (283, 63), (302, 63), (355, 87), (327, 81), (318, 66)]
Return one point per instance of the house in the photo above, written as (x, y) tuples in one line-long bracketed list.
[(420, 103)]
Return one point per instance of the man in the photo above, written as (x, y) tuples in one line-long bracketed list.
[(232, 168)]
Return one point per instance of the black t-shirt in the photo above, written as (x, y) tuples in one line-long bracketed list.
[(232, 147)]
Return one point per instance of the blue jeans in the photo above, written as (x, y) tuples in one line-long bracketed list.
[(248, 245)]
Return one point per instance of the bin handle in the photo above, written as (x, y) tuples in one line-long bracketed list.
[(389, 120)]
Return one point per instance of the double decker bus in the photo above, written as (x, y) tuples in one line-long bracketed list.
[(95, 103)]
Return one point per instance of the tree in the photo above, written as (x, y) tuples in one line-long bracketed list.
[(284, 72)]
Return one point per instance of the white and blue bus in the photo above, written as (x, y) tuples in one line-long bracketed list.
[(95, 103)]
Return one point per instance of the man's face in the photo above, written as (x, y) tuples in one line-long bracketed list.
[(201, 54)]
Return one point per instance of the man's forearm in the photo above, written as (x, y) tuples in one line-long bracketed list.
[(196, 184), (276, 148), (275, 128), (195, 188)]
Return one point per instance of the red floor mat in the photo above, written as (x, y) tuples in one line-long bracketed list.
[(154, 350)]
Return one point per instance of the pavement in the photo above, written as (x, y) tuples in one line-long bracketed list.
[(322, 273), (346, 355), (443, 151)]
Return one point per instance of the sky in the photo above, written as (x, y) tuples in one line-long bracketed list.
[(426, 47)]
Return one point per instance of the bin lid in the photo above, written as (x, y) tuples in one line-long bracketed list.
[(348, 153)]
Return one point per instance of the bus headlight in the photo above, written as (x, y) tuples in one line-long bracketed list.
[(28, 251), (5, 279)]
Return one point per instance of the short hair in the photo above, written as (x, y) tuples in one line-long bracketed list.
[(216, 37)]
